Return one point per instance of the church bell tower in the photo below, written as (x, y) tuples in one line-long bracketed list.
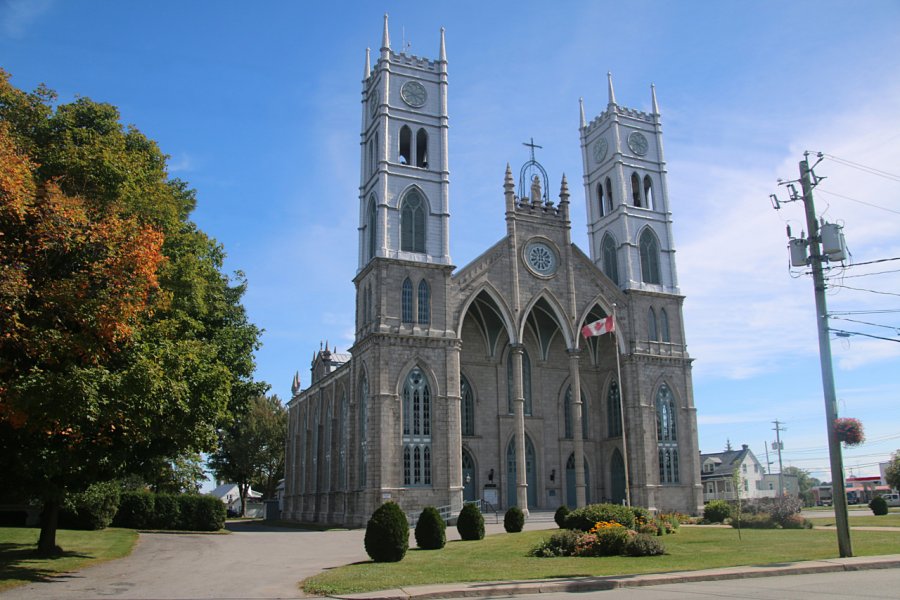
[(629, 221)]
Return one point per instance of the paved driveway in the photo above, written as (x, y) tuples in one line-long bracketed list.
[(255, 561)]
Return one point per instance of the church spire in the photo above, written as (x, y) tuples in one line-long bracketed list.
[(368, 70), (653, 98), (581, 110), (509, 188), (612, 93), (385, 37), (442, 53)]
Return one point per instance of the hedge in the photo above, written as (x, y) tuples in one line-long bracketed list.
[(186, 512)]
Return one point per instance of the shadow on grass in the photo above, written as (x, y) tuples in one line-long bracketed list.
[(15, 559)]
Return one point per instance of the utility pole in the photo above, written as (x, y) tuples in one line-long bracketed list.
[(768, 462), (834, 446), (779, 446)]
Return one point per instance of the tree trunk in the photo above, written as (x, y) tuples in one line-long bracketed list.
[(49, 519), (242, 490)]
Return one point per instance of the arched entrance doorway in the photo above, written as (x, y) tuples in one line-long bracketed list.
[(570, 482), (617, 477), (470, 485), (530, 473)]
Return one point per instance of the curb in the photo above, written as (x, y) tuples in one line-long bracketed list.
[(595, 584)]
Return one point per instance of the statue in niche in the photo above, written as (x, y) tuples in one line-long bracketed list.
[(536, 195)]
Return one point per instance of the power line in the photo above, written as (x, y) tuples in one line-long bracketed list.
[(868, 274), (884, 311), (847, 287), (864, 168), (890, 210), (867, 323), (842, 333), (873, 262)]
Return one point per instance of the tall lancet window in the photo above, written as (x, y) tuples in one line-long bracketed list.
[(636, 189), (609, 195), (412, 222), (648, 192), (416, 429), (422, 149), (649, 257), (467, 406), (666, 435), (601, 206), (424, 303), (370, 229), (614, 410), (652, 326), (363, 427), (610, 258), (664, 326), (404, 153), (406, 301)]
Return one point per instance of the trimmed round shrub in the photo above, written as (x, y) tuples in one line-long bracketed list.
[(470, 523), (561, 543), (643, 545), (91, 509), (717, 511), (514, 520), (431, 531), (135, 510), (586, 517), (560, 516), (387, 534), (879, 506)]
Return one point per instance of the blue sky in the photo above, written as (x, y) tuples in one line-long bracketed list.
[(259, 110)]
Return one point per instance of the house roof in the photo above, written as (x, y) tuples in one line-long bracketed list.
[(231, 488), (725, 462)]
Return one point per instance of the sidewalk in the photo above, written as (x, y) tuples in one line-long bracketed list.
[(591, 584)]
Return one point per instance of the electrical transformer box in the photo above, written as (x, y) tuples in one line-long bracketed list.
[(798, 253), (833, 244)]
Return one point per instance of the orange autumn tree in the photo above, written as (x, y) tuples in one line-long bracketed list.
[(75, 281)]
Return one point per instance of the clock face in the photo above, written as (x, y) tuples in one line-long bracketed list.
[(373, 102), (541, 258), (413, 93), (600, 148), (638, 143)]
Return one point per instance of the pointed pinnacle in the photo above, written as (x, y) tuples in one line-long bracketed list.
[(368, 70), (442, 54), (612, 93), (385, 37), (581, 110), (564, 190), (508, 178), (653, 97)]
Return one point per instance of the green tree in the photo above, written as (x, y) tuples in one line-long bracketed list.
[(123, 341), (892, 473), (805, 482), (251, 449), (180, 475)]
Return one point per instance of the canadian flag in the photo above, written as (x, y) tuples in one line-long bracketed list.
[(600, 327)]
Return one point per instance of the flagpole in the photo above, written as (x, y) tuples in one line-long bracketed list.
[(621, 407)]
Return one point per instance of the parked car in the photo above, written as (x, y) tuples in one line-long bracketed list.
[(892, 499)]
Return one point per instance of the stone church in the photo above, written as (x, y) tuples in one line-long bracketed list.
[(476, 382)]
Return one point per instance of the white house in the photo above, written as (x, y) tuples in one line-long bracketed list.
[(717, 469), (231, 496)]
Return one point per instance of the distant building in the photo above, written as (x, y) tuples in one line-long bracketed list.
[(231, 496), (717, 471)]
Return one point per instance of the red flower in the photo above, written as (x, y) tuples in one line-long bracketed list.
[(850, 431)]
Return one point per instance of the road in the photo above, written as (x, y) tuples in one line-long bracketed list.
[(883, 583)]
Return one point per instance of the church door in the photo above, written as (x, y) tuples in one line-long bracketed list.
[(617, 477), (531, 475), (470, 485), (570, 482)]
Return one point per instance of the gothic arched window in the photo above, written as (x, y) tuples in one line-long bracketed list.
[(665, 336), (600, 199), (648, 191), (416, 429), (412, 222), (405, 150), (370, 229), (666, 435), (570, 415), (406, 301), (636, 189), (610, 258), (652, 326), (609, 195), (526, 382), (362, 413), (424, 303), (422, 148), (649, 257), (614, 410), (467, 406)]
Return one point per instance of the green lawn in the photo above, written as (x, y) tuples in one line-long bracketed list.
[(503, 557), (19, 566), (888, 520)]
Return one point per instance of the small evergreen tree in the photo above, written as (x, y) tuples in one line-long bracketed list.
[(387, 534), (470, 523), (560, 516), (431, 529), (514, 520), (879, 506)]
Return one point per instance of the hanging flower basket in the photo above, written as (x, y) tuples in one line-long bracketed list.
[(850, 431)]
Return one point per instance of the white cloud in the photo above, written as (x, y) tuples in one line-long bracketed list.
[(17, 15)]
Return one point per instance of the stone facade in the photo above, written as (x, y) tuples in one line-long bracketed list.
[(477, 383)]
